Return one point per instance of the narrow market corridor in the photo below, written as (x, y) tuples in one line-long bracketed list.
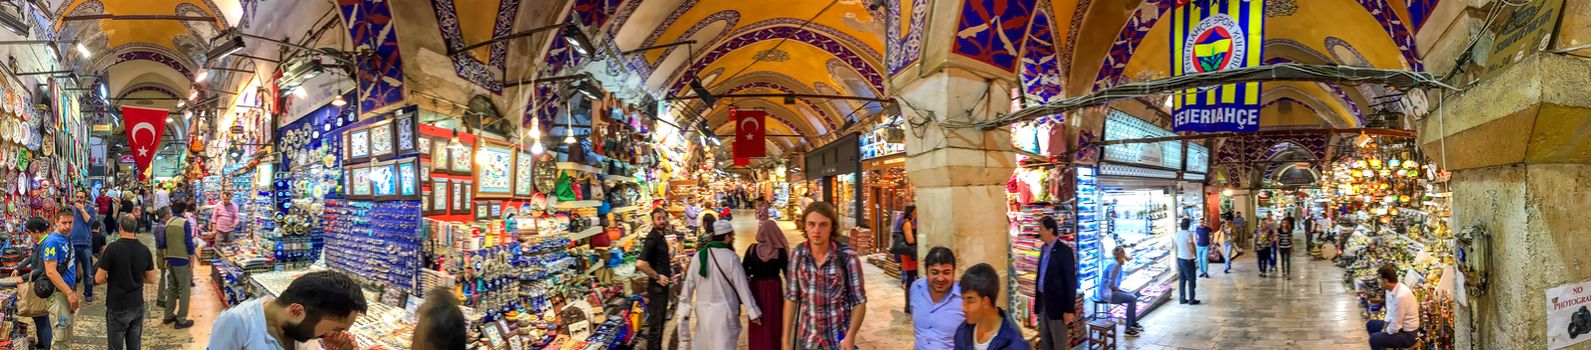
[(1241, 310), (88, 331)]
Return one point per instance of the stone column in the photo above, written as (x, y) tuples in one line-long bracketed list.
[(1521, 168), (959, 174)]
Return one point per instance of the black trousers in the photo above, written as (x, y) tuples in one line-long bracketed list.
[(656, 314), (1187, 280), (1287, 260)]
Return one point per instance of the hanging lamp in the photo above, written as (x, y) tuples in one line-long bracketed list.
[(339, 101)]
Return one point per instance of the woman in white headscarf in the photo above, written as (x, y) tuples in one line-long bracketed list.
[(714, 289)]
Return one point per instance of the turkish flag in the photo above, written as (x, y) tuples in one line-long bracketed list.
[(742, 161), (144, 128), (750, 132)]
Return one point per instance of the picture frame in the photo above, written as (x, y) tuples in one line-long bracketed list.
[(482, 211), (360, 181), (524, 174), (425, 170), (383, 181), (469, 196), (347, 183), (494, 175), (456, 198), (358, 146), (439, 197), (381, 142), (406, 131), (423, 146), (461, 161), (408, 178), (495, 210), (439, 157)]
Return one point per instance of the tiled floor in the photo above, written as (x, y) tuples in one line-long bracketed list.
[(1241, 310), (88, 330)]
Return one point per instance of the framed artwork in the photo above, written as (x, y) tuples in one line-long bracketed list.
[(408, 174), (469, 196), (406, 131), (496, 210), (439, 156), (524, 174), (360, 181), (482, 211), (457, 198), (347, 183), (459, 160), (383, 181), (424, 169), (494, 176), (439, 197), (424, 146), (381, 145), (358, 146)]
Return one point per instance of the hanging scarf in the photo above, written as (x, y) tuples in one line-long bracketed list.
[(701, 255)]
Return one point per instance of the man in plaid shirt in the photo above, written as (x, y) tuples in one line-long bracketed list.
[(824, 287)]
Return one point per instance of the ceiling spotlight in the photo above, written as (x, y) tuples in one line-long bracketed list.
[(193, 95), (181, 104), (577, 39), (585, 88), (702, 93), (339, 101), (168, 119), (203, 75), (226, 44), (187, 114), (83, 50)]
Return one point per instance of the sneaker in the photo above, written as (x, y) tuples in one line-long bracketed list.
[(1134, 332), (1193, 302), (1262, 274), (183, 324), (1182, 301), (168, 320), (1138, 327)]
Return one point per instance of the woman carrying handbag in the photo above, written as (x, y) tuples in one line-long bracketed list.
[(905, 247)]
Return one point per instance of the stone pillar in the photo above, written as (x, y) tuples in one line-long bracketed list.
[(1521, 169), (959, 174)]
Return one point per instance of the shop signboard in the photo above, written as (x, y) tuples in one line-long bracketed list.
[(1568, 314), (1529, 28), (1122, 126), (843, 156), (1208, 36), (876, 144)]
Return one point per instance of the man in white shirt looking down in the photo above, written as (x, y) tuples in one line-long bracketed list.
[(1403, 314)]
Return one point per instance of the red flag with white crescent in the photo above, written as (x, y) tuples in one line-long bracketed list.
[(750, 133), (144, 128)]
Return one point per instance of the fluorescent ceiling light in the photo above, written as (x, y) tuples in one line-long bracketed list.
[(83, 50)]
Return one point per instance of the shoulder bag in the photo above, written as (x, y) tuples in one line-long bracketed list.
[(32, 302)]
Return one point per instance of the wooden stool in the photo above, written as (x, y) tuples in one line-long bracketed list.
[(1101, 335)]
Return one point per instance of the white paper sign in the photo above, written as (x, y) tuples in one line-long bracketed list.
[(1568, 314)]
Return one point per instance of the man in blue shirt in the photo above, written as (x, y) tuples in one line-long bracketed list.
[(82, 239), (936, 302), (54, 250), (1201, 253), (1110, 290)]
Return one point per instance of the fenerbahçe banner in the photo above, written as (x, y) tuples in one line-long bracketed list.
[(1209, 36)]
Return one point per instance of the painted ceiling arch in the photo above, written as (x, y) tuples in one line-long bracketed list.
[(740, 51), (818, 120), (174, 35)]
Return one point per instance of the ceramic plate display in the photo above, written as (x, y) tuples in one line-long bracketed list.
[(524, 175), (494, 175), (381, 145), (358, 145)]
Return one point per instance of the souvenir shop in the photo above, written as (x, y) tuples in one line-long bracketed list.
[(43, 158), (536, 230), (1132, 195), (1390, 205)]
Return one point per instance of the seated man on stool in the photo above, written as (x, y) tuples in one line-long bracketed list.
[(1403, 314)]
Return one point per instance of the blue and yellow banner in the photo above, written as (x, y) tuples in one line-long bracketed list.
[(1209, 36)]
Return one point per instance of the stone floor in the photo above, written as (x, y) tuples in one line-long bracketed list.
[(1312, 310)]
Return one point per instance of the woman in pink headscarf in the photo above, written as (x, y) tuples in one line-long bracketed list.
[(765, 263)]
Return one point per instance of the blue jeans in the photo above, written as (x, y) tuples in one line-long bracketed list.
[(1120, 297), (1187, 284), (1202, 256), (42, 328), (1380, 340), (85, 267), (1226, 254)]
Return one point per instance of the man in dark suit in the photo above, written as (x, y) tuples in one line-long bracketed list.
[(1056, 297)]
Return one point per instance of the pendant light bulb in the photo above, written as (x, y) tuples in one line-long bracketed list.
[(535, 129), (570, 139), (536, 148), (339, 101), (455, 144)]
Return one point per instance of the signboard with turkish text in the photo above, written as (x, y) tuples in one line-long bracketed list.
[(1568, 314), (144, 128), (1209, 36)]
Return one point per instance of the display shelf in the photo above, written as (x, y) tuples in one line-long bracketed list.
[(579, 204), (619, 178), (577, 166), (622, 210), (575, 236)]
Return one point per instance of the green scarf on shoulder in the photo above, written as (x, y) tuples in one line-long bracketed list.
[(701, 255)]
